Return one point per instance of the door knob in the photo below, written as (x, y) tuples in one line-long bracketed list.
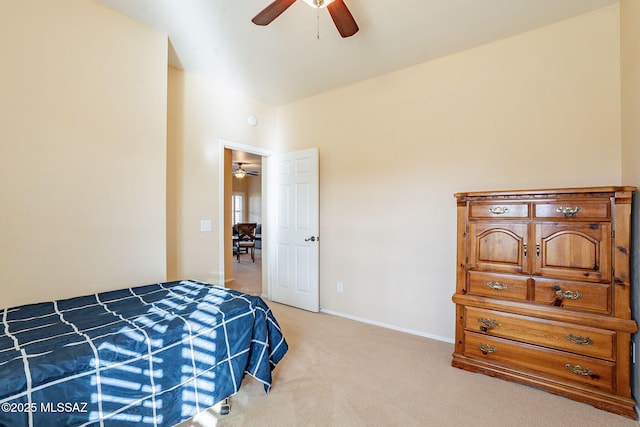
[(312, 239)]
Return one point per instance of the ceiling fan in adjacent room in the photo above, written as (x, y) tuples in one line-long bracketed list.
[(339, 12), (241, 173)]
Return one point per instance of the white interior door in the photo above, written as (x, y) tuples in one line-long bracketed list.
[(295, 262)]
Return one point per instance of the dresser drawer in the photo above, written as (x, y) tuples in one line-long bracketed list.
[(597, 210), (568, 366), (582, 296), (561, 336), (498, 285), (485, 210)]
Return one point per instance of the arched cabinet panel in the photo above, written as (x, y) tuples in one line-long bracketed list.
[(497, 247), (573, 251)]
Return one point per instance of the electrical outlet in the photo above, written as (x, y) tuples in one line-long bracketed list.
[(339, 287)]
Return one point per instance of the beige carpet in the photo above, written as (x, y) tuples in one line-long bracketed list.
[(340, 372), (247, 274)]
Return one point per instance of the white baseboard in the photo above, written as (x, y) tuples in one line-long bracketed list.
[(385, 325)]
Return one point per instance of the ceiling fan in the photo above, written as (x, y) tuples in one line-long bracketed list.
[(339, 12), (241, 173)]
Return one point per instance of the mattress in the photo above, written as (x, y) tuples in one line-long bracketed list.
[(148, 355)]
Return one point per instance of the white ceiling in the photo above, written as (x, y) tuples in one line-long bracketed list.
[(285, 61)]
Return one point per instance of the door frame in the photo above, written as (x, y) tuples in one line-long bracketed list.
[(222, 207)]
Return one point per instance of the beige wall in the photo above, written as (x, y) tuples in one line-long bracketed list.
[(82, 150), (251, 187), (201, 114), (541, 109), (630, 34), (239, 185), (254, 194)]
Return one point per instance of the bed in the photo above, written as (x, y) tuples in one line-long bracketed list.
[(149, 355)]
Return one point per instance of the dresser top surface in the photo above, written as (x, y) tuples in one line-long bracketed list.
[(548, 191)]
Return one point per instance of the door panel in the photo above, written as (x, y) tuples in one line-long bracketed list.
[(498, 247), (578, 251)]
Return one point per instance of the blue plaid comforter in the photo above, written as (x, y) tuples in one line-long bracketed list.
[(148, 355)]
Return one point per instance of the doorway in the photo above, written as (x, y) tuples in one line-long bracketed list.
[(290, 226), (246, 207), (243, 200)]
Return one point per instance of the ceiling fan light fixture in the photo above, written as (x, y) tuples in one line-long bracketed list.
[(318, 4), (239, 173)]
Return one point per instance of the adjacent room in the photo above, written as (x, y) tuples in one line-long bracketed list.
[(246, 208), (126, 125)]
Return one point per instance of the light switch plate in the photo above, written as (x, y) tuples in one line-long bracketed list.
[(205, 225)]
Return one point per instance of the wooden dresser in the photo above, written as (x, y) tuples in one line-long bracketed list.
[(543, 293)]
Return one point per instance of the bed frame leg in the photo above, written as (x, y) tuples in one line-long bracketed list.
[(225, 407)]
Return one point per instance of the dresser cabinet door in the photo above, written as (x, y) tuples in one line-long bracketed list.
[(499, 247), (575, 251)]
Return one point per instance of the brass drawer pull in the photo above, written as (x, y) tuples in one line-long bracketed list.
[(486, 348), (498, 286), (499, 210), (569, 211), (487, 324), (577, 339), (569, 294), (579, 370)]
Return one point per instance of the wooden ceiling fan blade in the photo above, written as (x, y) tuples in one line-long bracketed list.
[(271, 12), (343, 19)]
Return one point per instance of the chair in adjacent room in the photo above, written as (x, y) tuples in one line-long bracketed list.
[(246, 241)]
